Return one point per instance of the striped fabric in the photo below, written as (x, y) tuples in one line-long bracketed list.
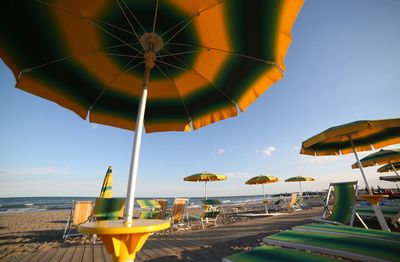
[(261, 180), (389, 167), (381, 157), (106, 188), (366, 135), (343, 202), (109, 208), (299, 179), (205, 177), (216, 57)]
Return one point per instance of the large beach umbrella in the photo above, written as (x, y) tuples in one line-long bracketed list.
[(383, 156), (207, 59), (300, 179), (106, 188), (261, 180), (392, 167), (205, 177), (355, 136)]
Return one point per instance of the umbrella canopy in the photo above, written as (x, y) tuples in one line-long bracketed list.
[(390, 178), (106, 188), (261, 180), (205, 177), (389, 167), (355, 136), (299, 179), (383, 156), (207, 59)]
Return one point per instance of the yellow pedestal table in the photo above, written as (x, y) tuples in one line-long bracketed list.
[(121, 239)]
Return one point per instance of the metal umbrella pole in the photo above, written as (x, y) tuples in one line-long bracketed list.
[(394, 169), (205, 189), (301, 191), (265, 200), (359, 165)]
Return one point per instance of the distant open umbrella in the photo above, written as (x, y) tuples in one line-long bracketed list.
[(355, 136), (300, 179), (383, 156), (205, 177), (106, 188), (261, 180), (392, 167)]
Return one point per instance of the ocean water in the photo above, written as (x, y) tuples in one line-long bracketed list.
[(32, 204)]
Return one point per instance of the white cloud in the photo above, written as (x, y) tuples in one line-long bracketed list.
[(221, 151), (266, 151)]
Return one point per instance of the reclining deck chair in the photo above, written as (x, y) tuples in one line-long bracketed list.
[(108, 208), (149, 209), (291, 206), (81, 212), (177, 214), (343, 211), (163, 207), (210, 211)]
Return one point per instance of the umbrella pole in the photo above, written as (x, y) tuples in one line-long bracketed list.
[(130, 195), (360, 166), (301, 191), (265, 200), (205, 189), (394, 169)]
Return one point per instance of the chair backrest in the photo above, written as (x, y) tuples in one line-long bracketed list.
[(293, 200), (109, 208), (344, 200), (163, 204), (178, 209), (82, 211), (149, 209), (210, 204)]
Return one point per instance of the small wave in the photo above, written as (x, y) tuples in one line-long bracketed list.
[(29, 204)]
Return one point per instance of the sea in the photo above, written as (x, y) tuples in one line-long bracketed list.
[(34, 204)]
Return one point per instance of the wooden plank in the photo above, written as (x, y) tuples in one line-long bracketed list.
[(69, 253), (38, 256), (164, 250), (78, 254), (49, 254), (107, 256), (98, 253), (58, 255), (88, 253)]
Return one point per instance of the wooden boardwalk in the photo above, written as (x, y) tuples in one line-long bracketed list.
[(180, 246)]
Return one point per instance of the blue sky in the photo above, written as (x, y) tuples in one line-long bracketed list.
[(342, 66)]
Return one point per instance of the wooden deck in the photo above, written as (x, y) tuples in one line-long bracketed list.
[(180, 246)]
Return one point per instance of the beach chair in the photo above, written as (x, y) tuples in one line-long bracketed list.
[(81, 212), (352, 247), (390, 212), (291, 206), (149, 209), (343, 210), (177, 214), (210, 213), (163, 207), (108, 209)]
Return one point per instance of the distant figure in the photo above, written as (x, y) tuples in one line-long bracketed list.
[(380, 190), (372, 189)]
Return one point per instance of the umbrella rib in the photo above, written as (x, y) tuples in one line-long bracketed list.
[(200, 74), (173, 82), (72, 56), (115, 77), (127, 19), (134, 17), (180, 53)]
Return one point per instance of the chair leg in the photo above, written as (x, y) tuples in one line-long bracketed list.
[(362, 221)]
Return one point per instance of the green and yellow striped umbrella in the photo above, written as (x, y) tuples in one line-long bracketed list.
[(205, 177), (162, 65), (392, 167), (355, 136), (106, 188), (383, 156), (300, 179), (261, 180)]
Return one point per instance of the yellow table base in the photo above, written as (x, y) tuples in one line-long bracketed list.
[(123, 240)]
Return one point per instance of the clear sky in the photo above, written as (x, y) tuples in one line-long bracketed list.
[(342, 66)]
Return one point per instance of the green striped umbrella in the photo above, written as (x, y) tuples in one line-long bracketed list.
[(355, 136), (300, 179), (205, 177), (392, 167), (106, 188), (261, 180), (383, 156), (206, 59)]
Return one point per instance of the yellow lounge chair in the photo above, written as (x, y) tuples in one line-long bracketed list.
[(177, 214), (81, 212)]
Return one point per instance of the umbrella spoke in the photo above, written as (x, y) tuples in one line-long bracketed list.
[(134, 17), (127, 19)]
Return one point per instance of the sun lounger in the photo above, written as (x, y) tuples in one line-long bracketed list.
[(149, 209), (379, 235), (391, 212), (349, 247), (343, 208), (163, 207), (177, 214), (276, 254), (81, 212), (292, 205)]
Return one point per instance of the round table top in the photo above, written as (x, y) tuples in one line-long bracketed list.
[(373, 199), (110, 227)]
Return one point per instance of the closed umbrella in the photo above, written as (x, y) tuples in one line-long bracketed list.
[(261, 180), (205, 177), (355, 136), (106, 188), (299, 179), (158, 65)]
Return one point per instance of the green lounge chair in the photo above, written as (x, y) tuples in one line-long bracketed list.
[(108, 208), (343, 208), (149, 209), (379, 235), (391, 212), (348, 247), (276, 254)]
